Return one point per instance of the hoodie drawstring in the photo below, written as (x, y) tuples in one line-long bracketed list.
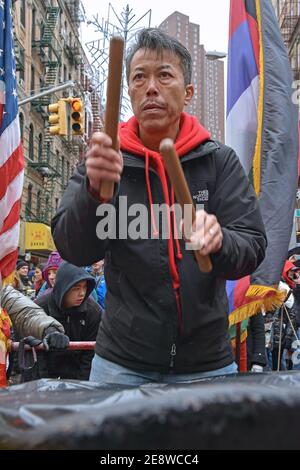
[(153, 221), (172, 263), (178, 249)]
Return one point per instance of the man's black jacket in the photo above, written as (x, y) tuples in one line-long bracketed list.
[(140, 326)]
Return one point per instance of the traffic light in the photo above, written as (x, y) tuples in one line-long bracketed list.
[(77, 116), (58, 118)]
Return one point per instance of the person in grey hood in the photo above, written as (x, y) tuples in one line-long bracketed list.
[(80, 315)]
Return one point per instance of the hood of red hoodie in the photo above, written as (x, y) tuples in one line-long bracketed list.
[(191, 134), (287, 267)]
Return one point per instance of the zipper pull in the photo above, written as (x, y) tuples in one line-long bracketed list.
[(173, 354)]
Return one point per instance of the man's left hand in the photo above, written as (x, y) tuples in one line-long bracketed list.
[(54, 339), (207, 236)]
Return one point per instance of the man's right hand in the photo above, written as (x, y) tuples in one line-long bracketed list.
[(102, 163)]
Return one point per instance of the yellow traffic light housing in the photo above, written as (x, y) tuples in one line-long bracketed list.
[(77, 116), (58, 118)]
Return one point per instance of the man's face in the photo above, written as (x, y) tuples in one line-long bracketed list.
[(23, 271), (157, 90), (76, 295)]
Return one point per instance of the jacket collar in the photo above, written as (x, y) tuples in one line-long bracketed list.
[(202, 150)]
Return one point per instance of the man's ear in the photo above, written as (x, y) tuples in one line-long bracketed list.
[(189, 93)]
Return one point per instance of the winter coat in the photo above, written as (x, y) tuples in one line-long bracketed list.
[(99, 292), (80, 324), (256, 353), (161, 313), (27, 317)]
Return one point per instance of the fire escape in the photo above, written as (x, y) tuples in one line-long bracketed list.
[(49, 50), (19, 55), (97, 122), (289, 21), (73, 51), (76, 11)]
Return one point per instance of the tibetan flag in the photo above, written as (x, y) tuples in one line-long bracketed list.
[(262, 127), (11, 156)]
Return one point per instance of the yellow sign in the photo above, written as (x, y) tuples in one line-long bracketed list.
[(38, 237)]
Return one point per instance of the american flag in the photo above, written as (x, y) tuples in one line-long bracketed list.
[(11, 155)]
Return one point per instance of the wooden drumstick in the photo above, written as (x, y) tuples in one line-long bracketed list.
[(182, 191), (112, 108)]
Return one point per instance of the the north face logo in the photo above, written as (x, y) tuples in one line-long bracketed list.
[(201, 196)]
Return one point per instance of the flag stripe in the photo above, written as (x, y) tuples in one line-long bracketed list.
[(10, 170), (9, 240), (1, 113), (8, 263), (12, 218), (241, 125), (250, 8), (12, 195), (239, 76), (237, 16), (10, 141), (260, 109), (254, 34)]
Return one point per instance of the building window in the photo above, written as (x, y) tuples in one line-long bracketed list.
[(40, 154), (23, 13), (29, 200), (69, 124), (57, 161), (63, 171), (47, 201), (42, 29), (38, 204), (22, 60), (32, 81), (68, 171), (65, 73), (33, 21), (21, 119), (31, 142)]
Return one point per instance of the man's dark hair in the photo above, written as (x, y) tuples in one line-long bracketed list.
[(157, 40)]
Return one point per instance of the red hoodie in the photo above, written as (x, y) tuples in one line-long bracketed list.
[(191, 134), (287, 267)]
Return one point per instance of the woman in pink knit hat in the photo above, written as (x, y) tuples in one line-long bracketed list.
[(49, 272)]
